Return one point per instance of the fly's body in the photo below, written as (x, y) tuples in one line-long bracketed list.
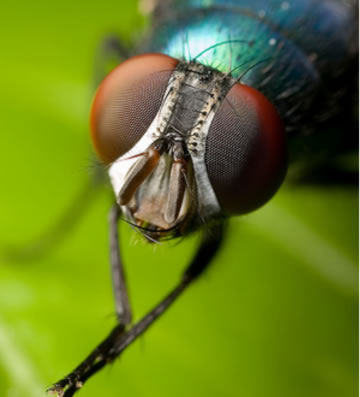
[(293, 53), (194, 128)]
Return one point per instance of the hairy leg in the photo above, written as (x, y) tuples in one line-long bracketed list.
[(120, 337)]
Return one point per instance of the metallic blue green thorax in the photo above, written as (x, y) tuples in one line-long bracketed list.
[(286, 49)]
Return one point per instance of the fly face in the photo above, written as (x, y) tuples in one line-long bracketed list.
[(185, 144)]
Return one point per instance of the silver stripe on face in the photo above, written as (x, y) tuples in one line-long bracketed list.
[(217, 86), (190, 102)]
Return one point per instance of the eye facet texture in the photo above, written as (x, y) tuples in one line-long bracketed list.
[(245, 151), (126, 103)]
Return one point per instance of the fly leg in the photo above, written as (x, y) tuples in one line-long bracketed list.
[(120, 337), (110, 52), (100, 356), (122, 305)]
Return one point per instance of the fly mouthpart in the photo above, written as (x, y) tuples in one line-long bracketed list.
[(137, 174), (176, 191), (158, 191)]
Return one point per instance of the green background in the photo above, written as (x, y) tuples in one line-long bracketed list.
[(277, 313)]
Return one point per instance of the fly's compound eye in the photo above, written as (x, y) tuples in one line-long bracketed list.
[(245, 151), (127, 102)]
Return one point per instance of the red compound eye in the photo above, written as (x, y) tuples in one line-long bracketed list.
[(245, 151), (126, 103)]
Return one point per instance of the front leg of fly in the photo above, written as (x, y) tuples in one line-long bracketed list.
[(109, 53), (122, 305), (102, 354), (120, 337)]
